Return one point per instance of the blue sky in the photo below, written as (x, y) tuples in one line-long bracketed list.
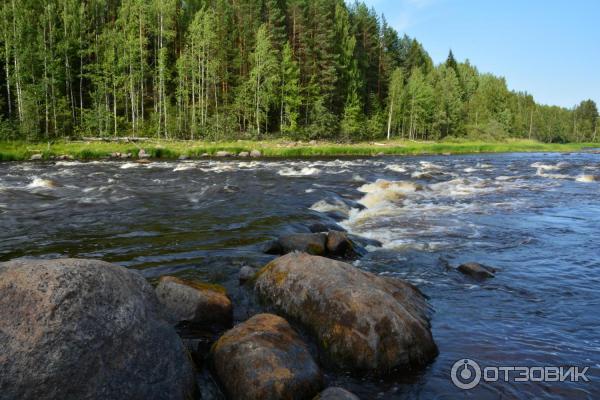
[(549, 48)]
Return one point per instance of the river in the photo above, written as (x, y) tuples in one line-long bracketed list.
[(535, 217)]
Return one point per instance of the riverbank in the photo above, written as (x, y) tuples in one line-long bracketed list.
[(81, 150)]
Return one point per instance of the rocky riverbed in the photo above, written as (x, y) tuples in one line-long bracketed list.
[(86, 329)]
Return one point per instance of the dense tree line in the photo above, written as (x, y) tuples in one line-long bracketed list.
[(227, 69)]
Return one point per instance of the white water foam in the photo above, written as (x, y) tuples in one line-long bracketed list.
[(129, 165), (42, 183), (396, 168), (588, 178), (306, 171)]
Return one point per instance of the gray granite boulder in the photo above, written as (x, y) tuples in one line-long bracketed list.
[(86, 329)]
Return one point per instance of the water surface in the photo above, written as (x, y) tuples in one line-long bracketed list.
[(536, 217)]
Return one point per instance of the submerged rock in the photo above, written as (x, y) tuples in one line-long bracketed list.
[(264, 358), (86, 329), (195, 304), (477, 271), (336, 393), (320, 227), (362, 321)]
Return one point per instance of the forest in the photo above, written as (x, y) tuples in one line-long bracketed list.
[(248, 69)]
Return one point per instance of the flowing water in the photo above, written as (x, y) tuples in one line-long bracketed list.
[(535, 217)]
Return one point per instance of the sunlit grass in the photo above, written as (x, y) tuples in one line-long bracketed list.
[(15, 151)]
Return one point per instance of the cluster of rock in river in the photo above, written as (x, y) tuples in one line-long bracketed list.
[(142, 155), (87, 329)]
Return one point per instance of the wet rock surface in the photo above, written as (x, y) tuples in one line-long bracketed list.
[(361, 321), (195, 304), (246, 273), (86, 329), (477, 271), (311, 243), (340, 245), (264, 358), (332, 243)]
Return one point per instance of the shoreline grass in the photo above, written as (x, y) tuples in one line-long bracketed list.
[(162, 149)]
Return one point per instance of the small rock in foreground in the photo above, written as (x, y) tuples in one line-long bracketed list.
[(255, 154), (264, 358)]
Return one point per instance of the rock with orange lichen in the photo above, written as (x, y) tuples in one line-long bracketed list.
[(362, 321), (197, 304), (264, 358), (86, 329)]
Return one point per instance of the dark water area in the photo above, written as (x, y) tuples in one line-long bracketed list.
[(535, 217)]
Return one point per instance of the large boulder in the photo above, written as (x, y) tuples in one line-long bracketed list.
[(264, 358), (85, 329), (362, 321), (336, 393), (196, 304)]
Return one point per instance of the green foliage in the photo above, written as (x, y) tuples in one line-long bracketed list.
[(290, 91), (222, 69)]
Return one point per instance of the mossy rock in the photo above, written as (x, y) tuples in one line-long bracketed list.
[(264, 358), (362, 321)]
